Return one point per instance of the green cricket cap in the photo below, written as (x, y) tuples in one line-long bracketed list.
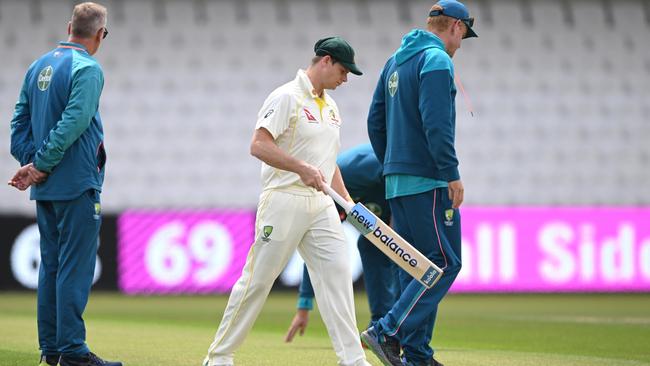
[(338, 49)]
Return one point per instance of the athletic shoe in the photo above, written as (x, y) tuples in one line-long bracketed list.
[(49, 360), (431, 362), (206, 362), (89, 359), (385, 348)]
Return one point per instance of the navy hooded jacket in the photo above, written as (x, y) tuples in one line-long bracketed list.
[(412, 117)]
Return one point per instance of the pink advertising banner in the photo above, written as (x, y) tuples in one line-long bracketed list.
[(555, 250), (182, 251), (505, 249)]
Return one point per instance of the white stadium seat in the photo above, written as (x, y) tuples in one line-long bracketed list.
[(561, 101)]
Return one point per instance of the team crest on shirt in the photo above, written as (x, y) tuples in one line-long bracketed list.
[(310, 117), (266, 233), (333, 118), (449, 217), (392, 84), (44, 78)]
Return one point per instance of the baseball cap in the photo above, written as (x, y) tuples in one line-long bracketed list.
[(338, 49), (455, 9)]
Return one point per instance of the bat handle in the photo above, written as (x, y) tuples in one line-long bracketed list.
[(347, 205)]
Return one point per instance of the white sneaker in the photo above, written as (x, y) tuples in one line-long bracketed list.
[(206, 362)]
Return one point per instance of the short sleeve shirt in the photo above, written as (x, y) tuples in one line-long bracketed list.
[(303, 128)]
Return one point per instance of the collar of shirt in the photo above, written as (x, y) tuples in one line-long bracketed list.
[(306, 85), (73, 45)]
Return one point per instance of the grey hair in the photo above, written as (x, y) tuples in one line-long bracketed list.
[(87, 19)]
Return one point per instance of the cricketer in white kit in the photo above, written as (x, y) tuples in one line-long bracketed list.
[(297, 139)]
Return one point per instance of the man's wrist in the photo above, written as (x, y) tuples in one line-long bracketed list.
[(305, 303), (40, 170)]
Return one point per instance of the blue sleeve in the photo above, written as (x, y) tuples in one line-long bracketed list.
[(377, 120), (22, 141), (435, 106), (305, 292), (87, 84), (361, 172)]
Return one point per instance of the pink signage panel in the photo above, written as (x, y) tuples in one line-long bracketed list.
[(182, 251), (554, 249), (505, 249)]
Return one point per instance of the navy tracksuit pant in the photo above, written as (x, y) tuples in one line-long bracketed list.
[(379, 275), (427, 221), (69, 231)]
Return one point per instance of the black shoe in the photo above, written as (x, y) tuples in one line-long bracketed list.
[(49, 360), (385, 348), (431, 362), (89, 359)]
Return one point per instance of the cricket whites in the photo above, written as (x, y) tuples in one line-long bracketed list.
[(388, 241)]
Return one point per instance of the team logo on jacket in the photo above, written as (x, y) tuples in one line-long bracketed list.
[(266, 232), (98, 211), (310, 117), (392, 84), (449, 217), (44, 78)]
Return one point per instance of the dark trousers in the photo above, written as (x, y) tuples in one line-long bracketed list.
[(69, 237), (428, 222), (380, 279)]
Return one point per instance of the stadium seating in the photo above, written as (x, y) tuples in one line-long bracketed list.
[(560, 90)]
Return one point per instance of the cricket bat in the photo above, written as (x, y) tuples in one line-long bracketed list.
[(388, 241)]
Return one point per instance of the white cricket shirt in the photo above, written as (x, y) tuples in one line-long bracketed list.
[(302, 128)]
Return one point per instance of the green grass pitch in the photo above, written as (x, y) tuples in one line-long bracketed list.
[(472, 330)]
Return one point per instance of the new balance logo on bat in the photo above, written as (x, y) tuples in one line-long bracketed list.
[(366, 223), (361, 219), (395, 247)]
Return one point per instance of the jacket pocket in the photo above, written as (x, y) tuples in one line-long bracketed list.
[(101, 157)]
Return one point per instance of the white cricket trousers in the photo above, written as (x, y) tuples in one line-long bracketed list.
[(286, 222)]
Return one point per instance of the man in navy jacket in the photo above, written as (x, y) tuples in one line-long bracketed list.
[(411, 125), (57, 137)]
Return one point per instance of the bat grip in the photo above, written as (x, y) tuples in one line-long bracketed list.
[(347, 205)]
